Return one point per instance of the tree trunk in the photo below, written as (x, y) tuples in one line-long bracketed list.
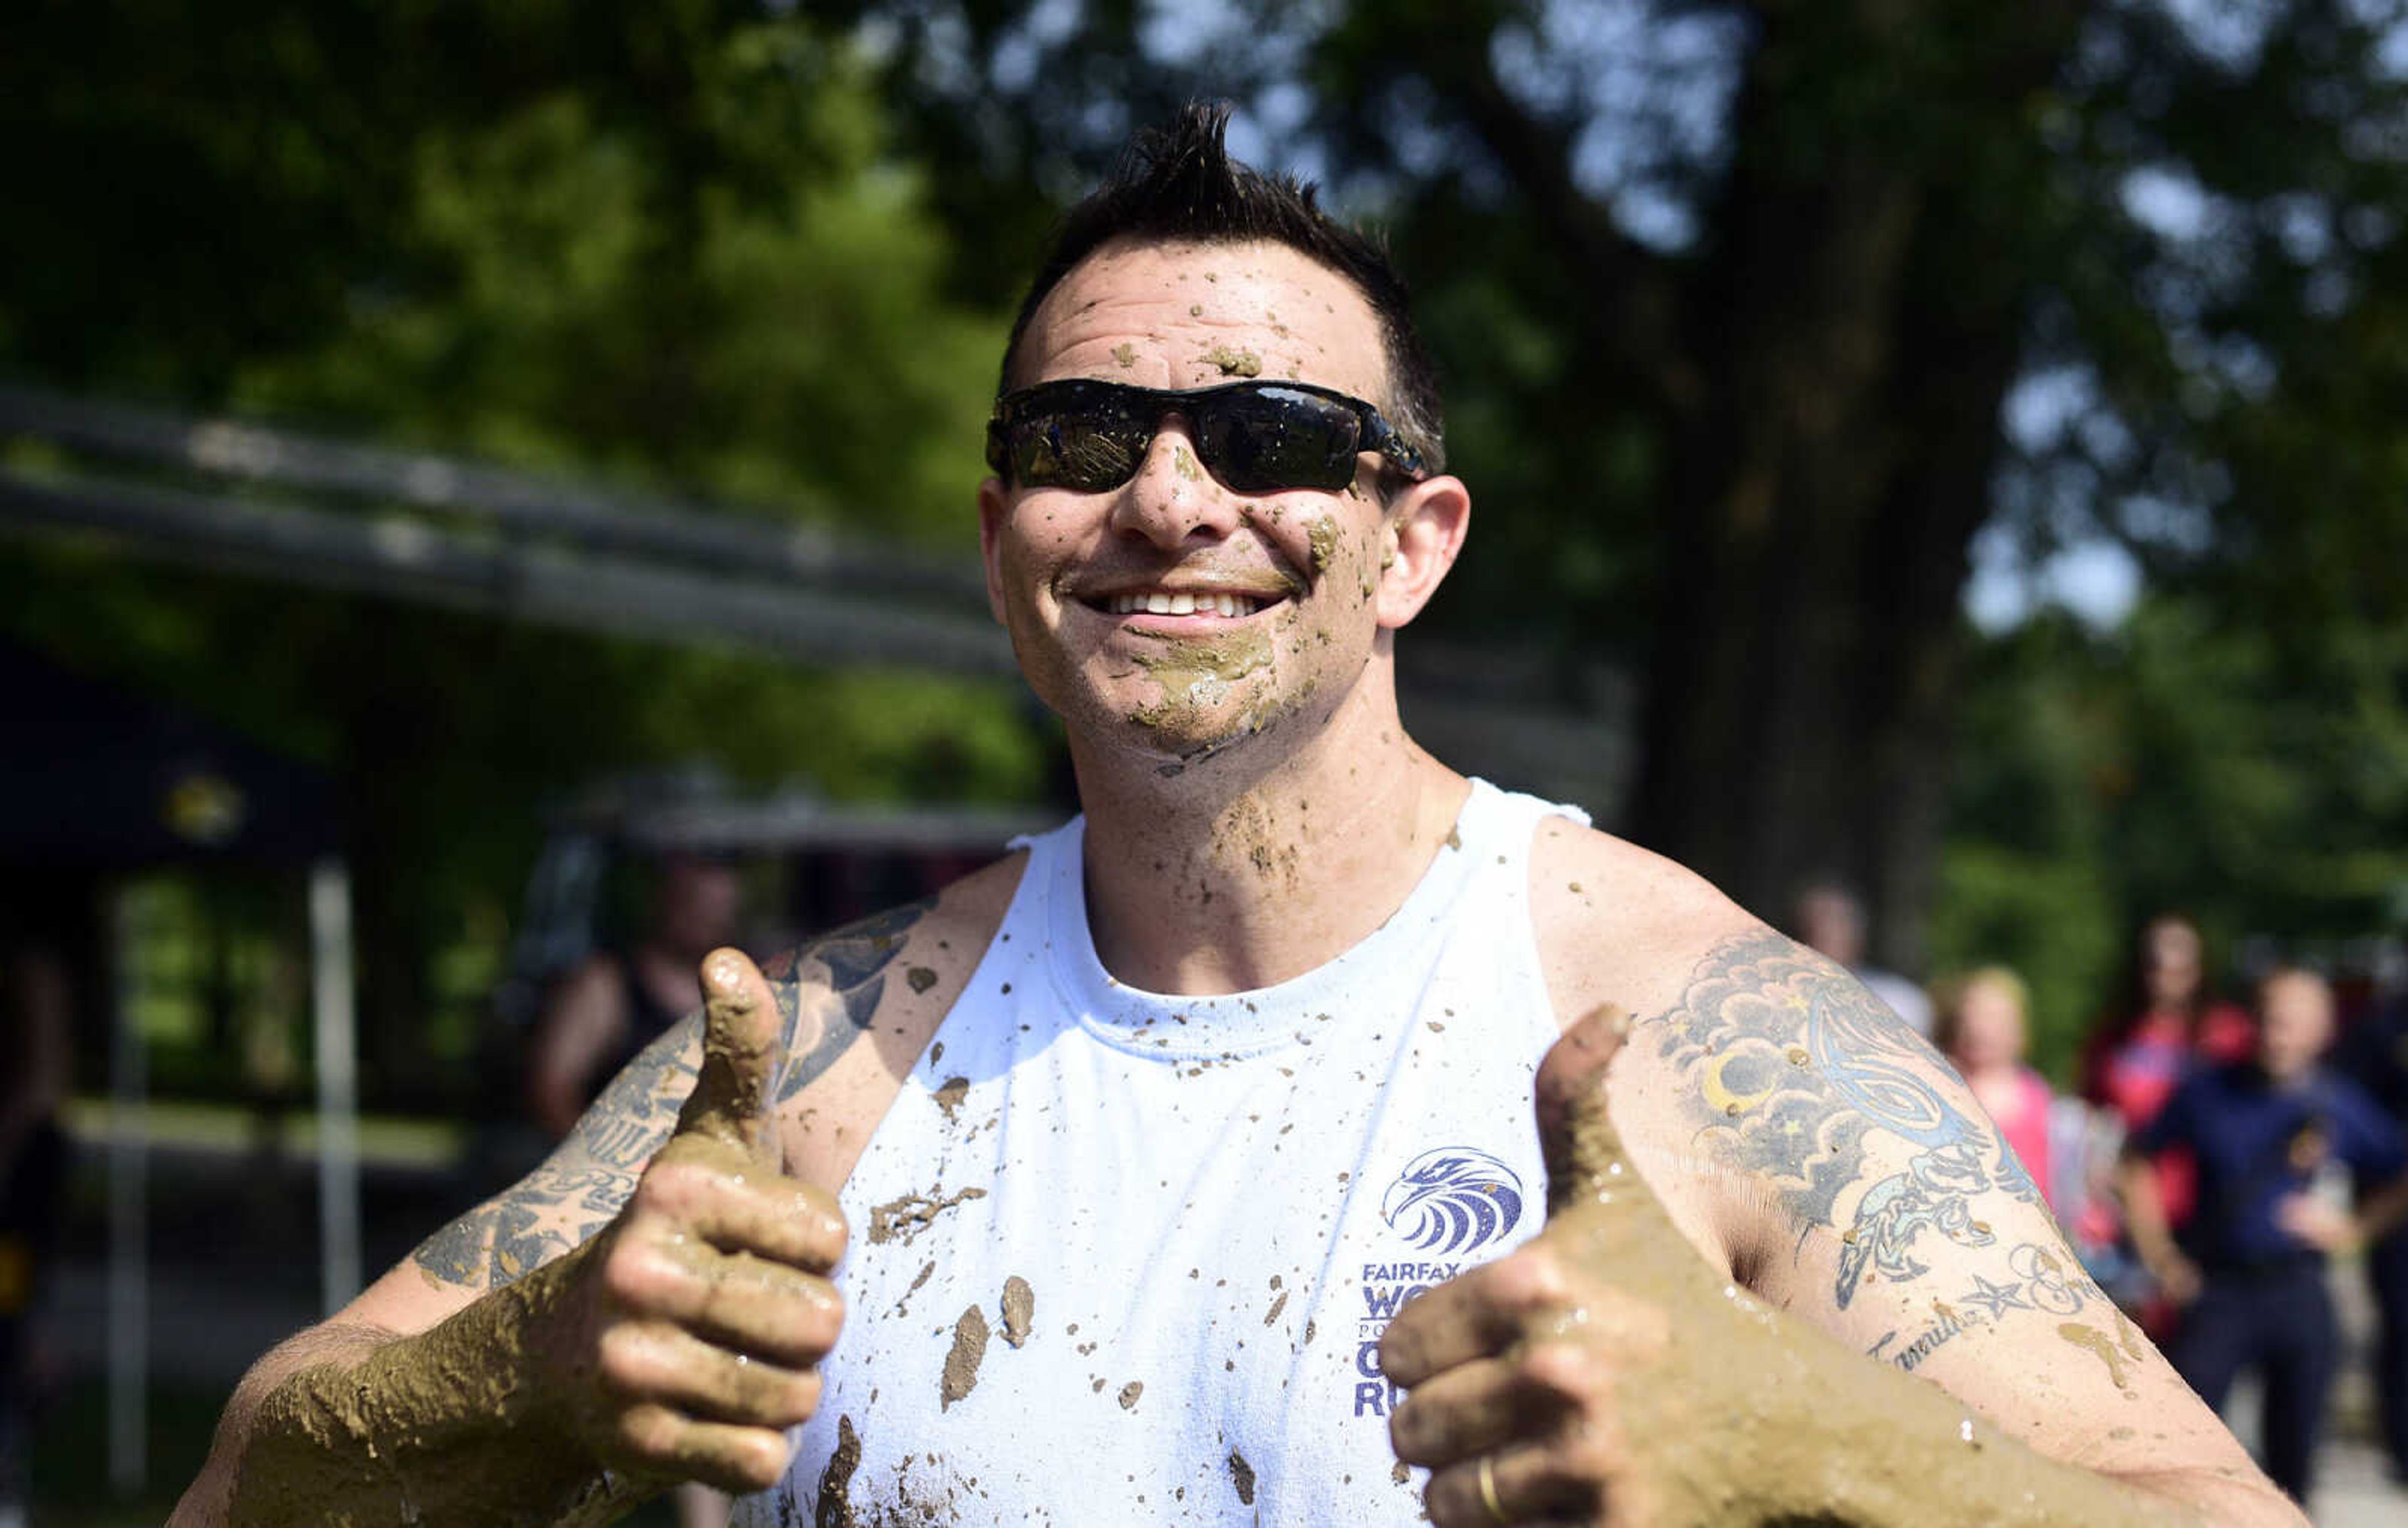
[(1855, 335)]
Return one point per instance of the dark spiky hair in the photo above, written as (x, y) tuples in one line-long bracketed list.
[(1177, 184)]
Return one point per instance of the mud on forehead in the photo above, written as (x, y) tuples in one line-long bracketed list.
[(1188, 315)]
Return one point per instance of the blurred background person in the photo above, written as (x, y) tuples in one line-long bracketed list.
[(34, 1062), (2375, 1056), (2249, 1266), (1980, 1024), (2160, 1021), (1831, 917), (620, 999)]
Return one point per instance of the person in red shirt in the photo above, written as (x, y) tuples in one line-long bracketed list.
[(2165, 1023)]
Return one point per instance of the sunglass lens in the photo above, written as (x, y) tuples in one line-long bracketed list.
[(1084, 443), (1268, 438)]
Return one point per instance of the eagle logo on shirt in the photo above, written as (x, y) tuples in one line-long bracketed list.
[(1454, 1199)]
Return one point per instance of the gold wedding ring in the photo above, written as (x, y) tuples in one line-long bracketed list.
[(1488, 1490)]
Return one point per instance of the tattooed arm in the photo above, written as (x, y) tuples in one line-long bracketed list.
[(646, 1307), (1877, 1201), (1789, 1273)]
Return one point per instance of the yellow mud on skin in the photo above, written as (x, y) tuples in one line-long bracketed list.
[(1197, 675), (1234, 362), (1323, 533), (2097, 1343)]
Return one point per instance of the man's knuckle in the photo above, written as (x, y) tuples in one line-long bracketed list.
[(650, 1432), (761, 1457), (625, 1360), (631, 1273)]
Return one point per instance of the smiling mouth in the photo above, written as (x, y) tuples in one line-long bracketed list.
[(1227, 604)]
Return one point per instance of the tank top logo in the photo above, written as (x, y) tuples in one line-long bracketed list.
[(1454, 1199)]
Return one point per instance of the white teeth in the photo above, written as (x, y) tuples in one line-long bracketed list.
[(1232, 606)]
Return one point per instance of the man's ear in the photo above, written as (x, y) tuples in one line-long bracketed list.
[(1424, 532), (991, 510)]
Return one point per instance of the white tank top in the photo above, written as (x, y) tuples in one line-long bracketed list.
[(1125, 1257)]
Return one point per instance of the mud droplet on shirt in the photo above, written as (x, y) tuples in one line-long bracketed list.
[(1019, 1308), (962, 1364), (1129, 1392), (1242, 1474), (835, 1481), (925, 1269), (950, 1094), (904, 1218)]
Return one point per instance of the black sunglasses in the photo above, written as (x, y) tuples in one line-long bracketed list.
[(1255, 437)]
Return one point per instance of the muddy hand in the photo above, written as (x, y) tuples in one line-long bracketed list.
[(709, 1305), (1540, 1381)]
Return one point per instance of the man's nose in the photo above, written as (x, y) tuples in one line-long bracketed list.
[(1172, 499)]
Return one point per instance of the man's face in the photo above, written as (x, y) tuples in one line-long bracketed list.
[(1277, 597), (2296, 1018)]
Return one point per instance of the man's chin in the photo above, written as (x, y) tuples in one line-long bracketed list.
[(1172, 738)]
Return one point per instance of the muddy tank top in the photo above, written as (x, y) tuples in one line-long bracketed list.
[(1125, 1257)]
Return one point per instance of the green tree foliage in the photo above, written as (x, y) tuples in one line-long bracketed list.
[(1753, 315), (1733, 299), (2180, 762), (667, 245)]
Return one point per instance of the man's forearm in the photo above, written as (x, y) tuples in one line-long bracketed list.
[(358, 1425), (1899, 1452)]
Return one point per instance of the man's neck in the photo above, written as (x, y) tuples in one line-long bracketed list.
[(1252, 867)]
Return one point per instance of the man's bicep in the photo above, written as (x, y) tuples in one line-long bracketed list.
[(1892, 1214)]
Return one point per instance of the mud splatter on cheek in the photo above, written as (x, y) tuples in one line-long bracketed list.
[(1322, 535)]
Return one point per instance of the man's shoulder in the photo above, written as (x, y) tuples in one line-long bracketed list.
[(893, 974), (862, 1003), (950, 927), (1616, 923)]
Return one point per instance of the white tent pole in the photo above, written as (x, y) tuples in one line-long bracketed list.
[(337, 1034), (129, 1272)]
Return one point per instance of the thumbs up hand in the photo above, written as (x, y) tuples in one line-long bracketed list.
[(704, 1305), (1603, 1372)]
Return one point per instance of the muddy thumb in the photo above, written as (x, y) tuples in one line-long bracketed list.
[(1582, 1151), (742, 1054)]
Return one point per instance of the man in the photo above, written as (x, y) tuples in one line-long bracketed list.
[(2249, 1266), (1178, 1150)]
